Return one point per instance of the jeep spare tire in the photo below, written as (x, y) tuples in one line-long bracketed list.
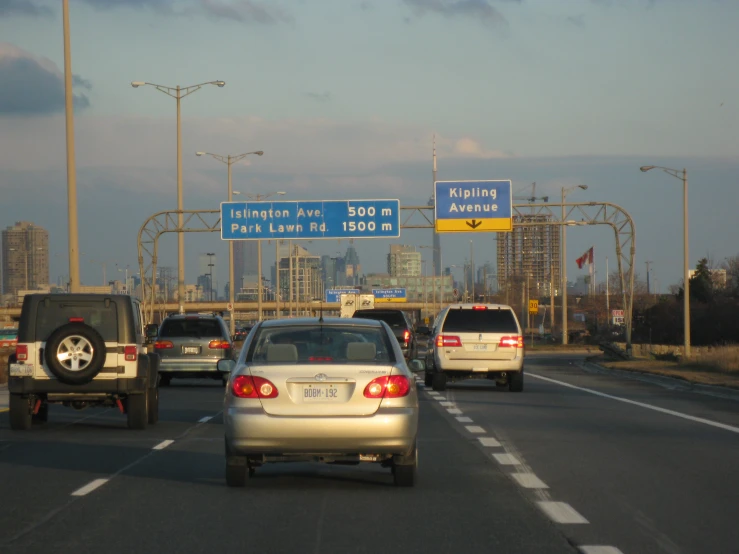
[(75, 353)]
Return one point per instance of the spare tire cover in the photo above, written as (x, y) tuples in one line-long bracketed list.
[(75, 353)]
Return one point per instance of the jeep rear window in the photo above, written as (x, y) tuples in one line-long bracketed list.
[(195, 328), (393, 319), (480, 321), (52, 316)]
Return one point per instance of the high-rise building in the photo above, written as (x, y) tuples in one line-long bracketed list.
[(25, 250), (352, 267), (246, 264), (403, 261)]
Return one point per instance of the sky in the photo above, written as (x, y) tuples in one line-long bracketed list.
[(345, 97)]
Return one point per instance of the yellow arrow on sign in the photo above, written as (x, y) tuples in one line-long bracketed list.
[(496, 224)]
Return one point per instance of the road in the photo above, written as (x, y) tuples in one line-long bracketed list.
[(554, 469)]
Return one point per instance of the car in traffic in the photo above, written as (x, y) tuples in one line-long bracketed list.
[(401, 326), (473, 341), (8, 337), (333, 390), (190, 346)]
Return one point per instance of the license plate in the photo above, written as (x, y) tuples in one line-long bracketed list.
[(191, 350), (320, 393), (479, 347), (21, 370)]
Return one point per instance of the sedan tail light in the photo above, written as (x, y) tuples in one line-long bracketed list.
[(246, 386), (163, 345), (515, 341), (447, 340), (21, 352), (130, 352), (219, 345), (406, 336), (388, 386)]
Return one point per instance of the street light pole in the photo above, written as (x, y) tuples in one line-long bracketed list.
[(683, 176), (563, 265), (178, 93), (229, 160), (210, 278)]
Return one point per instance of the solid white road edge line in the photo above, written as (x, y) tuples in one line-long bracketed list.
[(561, 512), (642, 405), (162, 445), (89, 487)]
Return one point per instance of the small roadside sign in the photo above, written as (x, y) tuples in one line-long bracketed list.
[(230, 307), (533, 307)]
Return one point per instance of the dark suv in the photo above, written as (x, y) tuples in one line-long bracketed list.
[(401, 326), (82, 350), (191, 345)]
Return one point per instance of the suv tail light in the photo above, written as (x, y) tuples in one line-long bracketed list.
[(446, 340), (246, 386), (515, 341), (21, 352), (406, 336), (388, 386), (219, 344), (479, 307), (163, 345), (131, 353), (76, 319)]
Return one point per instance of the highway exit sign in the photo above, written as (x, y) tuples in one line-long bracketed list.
[(473, 206)]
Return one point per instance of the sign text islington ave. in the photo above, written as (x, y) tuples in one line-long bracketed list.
[(473, 206), (314, 219)]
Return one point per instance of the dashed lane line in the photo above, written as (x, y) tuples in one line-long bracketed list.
[(474, 429), (89, 487), (454, 411), (595, 549), (205, 419), (561, 512), (464, 419), (489, 441), (507, 459), (162, 445), (529, 481)]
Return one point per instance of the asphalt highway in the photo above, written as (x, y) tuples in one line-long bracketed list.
[(578, 462)]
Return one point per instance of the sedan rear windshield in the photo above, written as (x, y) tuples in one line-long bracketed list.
[(193, 328), (393, 319), (341, 344), (480, 321)]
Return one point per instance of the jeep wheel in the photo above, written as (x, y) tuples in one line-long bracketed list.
[(515, 381), (136, 411), (75, 353), (20, 412), (153, 402), (439, 382)]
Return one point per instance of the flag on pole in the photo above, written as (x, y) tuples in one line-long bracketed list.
[(586, 258)]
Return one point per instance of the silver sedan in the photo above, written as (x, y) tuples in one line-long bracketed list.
[(321, 390)]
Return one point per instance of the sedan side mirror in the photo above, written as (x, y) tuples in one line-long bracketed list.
[(152, 330)]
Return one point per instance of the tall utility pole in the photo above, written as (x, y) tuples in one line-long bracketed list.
[(74, 254), (648, 289), (210, 278), (472, 269)]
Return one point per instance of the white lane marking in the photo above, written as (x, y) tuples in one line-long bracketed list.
[(162, 445), (89, 487), (643, 405), (529, 481), (454, 411), (446, 404), (204, 419), (435, 394), (507, 459), (464, 419), (600, 550), (561, 512), (474, 429), (488, 441)]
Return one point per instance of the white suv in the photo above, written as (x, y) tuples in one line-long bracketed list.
[(476, 340)]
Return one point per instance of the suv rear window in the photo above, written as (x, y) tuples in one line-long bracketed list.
[(480, 321), (197, 328), (393, 319), (52, 316)]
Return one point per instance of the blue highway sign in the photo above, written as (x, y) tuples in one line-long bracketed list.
[(389, 295), (473, 206), (314, 219), (334, 295)]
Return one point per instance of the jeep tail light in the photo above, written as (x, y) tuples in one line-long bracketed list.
[(76, 319), (246, 386), (447, 340), (388, 386), (131, 353), (21, 352), (515, 341), (219, 344), (163, 345), (479, 307), (406, 336)]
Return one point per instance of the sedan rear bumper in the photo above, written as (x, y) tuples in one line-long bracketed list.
[(250, 431), (180, 365)]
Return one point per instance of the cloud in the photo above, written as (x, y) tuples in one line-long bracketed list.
[(10, 8), (365, 6), (33, 85), (576, 20), (481, 10), (241, 11), (319, 97)]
